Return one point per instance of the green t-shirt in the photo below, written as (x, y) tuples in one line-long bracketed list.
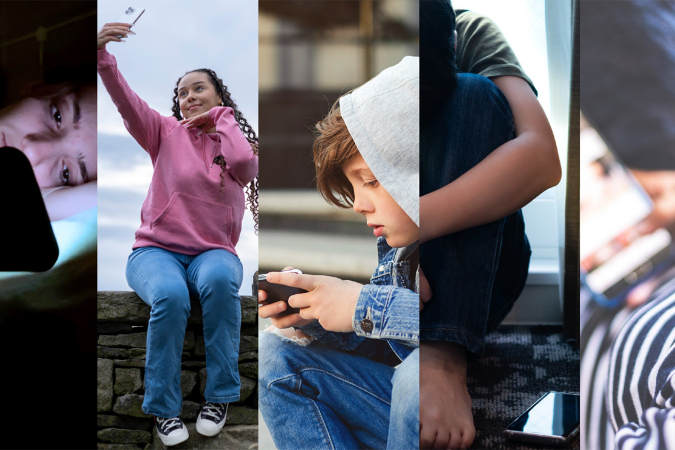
[(482, 48)]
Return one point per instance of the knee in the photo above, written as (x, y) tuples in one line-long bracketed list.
[(272, 356), (479, 92), (406, 393), (219, 276), (278, 358), (171, 300), (276, 366)]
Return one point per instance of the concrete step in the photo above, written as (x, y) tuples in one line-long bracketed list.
[(304, 203), (297, 210), (351, 257)]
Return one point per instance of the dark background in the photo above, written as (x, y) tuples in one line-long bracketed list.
[(69, 51), (48, 371)]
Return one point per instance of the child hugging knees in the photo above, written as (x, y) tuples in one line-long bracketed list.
[(343, 390), (487, 150)]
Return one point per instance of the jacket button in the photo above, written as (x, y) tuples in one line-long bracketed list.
[(366, 325)]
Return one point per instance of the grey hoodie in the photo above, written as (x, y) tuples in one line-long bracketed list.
[(382, 117)]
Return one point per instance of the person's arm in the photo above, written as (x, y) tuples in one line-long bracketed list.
[(333, 310), (387, 312), (240, 160), (508, 179), (382, 312), (146, 125), (66, 202), (294, 325)]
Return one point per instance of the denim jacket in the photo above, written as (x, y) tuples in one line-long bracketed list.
[(386, 318)]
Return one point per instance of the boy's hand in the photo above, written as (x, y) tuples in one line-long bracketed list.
[(270, 311), (425, 290), (329, 300)]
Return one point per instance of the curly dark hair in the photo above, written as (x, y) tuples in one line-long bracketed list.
[(221, 90)]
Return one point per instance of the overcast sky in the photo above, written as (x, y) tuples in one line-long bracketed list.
[(173, 37)]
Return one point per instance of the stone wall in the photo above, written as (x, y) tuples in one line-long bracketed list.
[(122, 425)]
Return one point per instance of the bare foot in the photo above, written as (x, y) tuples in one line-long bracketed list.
[(446, 421)]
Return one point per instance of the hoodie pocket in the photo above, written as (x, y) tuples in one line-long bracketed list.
[(190, 219)]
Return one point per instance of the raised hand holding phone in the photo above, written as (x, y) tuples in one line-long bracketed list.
[(131, 15), (112, 32)]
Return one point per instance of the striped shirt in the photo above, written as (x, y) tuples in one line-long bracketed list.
[(641, 382), (600, 329)]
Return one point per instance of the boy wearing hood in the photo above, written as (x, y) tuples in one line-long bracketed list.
[(340, 389)]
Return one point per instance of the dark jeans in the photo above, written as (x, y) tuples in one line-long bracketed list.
[(476, 274)]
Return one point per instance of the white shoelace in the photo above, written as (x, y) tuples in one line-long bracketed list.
[(214, 410), (166, 424)]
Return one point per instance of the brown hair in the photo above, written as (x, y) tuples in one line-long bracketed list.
[(333, 149)]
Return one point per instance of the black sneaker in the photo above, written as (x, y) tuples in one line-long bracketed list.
[(211, 418), (171, 431)]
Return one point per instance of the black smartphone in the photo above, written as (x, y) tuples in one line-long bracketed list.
[(279, 293), (553, 419), (27, 242)]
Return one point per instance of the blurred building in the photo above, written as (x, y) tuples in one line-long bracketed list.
[(310, 53)]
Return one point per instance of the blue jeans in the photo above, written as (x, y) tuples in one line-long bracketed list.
[(165, 280), (476, 274), (321, 398)]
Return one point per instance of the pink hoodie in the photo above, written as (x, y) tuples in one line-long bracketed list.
[(181, 212)]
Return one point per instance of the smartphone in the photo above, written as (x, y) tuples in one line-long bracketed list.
[(279, 292), (613, 256), (131, 16), (553, 419), (27, 241)]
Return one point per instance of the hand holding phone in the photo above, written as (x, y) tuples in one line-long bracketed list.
[(28, 241), (660, 186), (112, 32), (131, 15), (614, 255), (116, 31), (279, 293)]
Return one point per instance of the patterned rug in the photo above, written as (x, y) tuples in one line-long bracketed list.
[(520, 364)]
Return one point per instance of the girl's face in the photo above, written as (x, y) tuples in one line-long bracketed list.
[(58, 136), (196, 94), (382, 212)]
